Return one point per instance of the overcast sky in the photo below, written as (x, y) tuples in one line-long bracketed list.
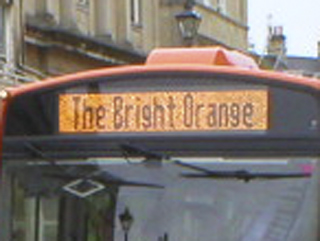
[(300, 20)]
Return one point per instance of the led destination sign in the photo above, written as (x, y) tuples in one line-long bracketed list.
[(244, 110)]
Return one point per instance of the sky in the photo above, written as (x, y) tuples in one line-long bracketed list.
[(300, 20)]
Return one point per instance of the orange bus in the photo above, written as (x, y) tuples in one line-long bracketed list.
[(196, 144)]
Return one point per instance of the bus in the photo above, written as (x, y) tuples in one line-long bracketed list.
[(195, 144)]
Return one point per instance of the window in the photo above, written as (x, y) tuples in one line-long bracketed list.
[(135, 12), (222, 6), (206, 2), (83, 2)]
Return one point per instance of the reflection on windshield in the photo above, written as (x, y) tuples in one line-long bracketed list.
[(156, 202)]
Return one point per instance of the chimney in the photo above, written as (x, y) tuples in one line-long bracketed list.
[(276, 41)]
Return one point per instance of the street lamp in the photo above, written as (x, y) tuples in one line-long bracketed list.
[(188, 22), (126, 221)]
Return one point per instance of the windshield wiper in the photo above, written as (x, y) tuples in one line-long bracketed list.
[(243, 175), (96, 174)]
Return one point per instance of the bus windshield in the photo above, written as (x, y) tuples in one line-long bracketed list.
[(186, 199)]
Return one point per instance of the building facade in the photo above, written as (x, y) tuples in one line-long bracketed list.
[(67, 36)]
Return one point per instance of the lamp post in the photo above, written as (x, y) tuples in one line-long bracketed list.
[(126, 220), (188, 22)]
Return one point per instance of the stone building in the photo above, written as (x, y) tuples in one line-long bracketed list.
[(277, 58), (67, 36), (276, 45)]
